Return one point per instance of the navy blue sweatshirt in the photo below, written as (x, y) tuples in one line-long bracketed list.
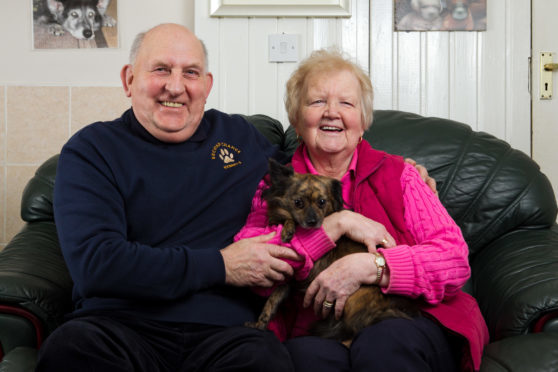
[(141, 222)]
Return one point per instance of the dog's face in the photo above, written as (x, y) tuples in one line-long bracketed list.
[(305, 198), (459, 9), (428, 9), (81, 18)]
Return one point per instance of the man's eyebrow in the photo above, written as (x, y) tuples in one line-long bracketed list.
[(196, 65)]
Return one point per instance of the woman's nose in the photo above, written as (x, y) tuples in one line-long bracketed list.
[(332, 109)]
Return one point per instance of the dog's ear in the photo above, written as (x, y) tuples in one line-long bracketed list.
[(279, 172), (55, 7), (337, 192), (102, 6)]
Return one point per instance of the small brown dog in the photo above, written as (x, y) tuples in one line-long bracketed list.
[(305, 199)]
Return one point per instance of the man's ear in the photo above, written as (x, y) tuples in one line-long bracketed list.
[(127, 75), (208, 84)]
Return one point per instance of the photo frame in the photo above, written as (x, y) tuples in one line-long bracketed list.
[(439, 15), (89, 24), (280, 8)]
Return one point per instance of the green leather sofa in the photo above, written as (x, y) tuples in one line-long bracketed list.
[(504, 205)]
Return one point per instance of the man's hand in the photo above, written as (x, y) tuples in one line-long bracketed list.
[(431, 182), (253, 262)]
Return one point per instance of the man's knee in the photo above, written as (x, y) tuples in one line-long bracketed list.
[(66, 340), (240, 348), (79, 344), (269, 348)]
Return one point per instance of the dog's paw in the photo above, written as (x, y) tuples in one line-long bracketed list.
[(56, 29), (256, 325), (108, 21), (226, 156), (287, 234)]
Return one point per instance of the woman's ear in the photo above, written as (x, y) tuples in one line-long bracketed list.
[(126, 76)]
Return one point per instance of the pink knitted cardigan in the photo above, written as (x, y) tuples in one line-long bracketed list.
[(431, 261)]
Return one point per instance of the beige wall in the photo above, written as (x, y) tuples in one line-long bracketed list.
[(47, 95), (35, 122)]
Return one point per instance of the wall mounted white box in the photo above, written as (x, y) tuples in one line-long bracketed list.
[(283, 48)]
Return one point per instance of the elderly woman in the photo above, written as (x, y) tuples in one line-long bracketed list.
[(395, 214)]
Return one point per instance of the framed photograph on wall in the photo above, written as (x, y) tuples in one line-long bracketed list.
[(279, 8), (439, 15), (70, 24)]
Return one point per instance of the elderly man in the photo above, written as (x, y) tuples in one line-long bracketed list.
[(146, 207)]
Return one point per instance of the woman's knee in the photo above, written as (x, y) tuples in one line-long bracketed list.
[(403, 344)]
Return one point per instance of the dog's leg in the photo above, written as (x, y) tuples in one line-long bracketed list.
[(102, 6), (289, 228), (271, 306), (56, 29), (108, 21)]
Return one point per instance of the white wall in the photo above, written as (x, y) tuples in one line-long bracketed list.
[(480, 78), (245, 82), (21, 65)]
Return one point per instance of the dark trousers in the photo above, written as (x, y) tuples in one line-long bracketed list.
[(391, 345), (108, 343)]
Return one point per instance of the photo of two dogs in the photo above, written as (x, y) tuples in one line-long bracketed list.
[(83, 20), (305, 200), (440, 15)]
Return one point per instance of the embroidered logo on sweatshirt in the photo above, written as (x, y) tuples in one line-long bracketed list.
[(226, 154)]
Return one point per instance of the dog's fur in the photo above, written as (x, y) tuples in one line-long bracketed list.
[(305, 200), (81, 18), (426, 15)]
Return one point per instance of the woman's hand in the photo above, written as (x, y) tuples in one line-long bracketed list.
[(431, 182), (340, 280), (358, 228)]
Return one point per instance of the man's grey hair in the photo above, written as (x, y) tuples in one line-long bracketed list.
[(138, 40)]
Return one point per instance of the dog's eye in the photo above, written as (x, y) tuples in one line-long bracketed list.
[(74, 15), (91, 14), (299, 203), (321, 203)]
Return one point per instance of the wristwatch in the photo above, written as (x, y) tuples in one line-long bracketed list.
[(380, 262)]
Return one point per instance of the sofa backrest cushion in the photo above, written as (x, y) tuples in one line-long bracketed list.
[(36, 202), (488, 187)]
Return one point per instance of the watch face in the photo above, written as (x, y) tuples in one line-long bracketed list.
[(380, 261)]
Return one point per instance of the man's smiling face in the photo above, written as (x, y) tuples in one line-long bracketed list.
[(168, 83)]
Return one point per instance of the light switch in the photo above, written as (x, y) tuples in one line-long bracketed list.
[(283, 48)]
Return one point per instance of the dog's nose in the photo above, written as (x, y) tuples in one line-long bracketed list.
[(311, 219), (87, 33)]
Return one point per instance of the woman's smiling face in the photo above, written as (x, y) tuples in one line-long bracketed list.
[(331, 114)]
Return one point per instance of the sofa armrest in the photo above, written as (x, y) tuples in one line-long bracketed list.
[(515, 281), (531, 352), (34, 280), (21, 359)]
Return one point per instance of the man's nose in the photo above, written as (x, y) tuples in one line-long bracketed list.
[(175, 83)]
